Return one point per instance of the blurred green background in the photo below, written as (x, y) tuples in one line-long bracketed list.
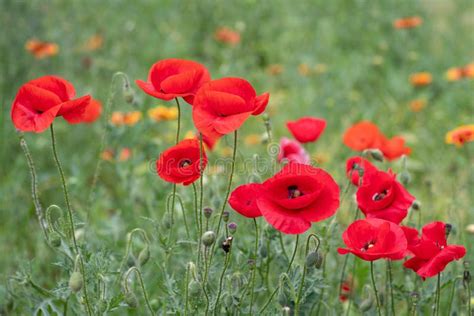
[(340, 60)]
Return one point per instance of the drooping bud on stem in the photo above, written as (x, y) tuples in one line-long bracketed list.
[(207, 212), (374, 154), (75, 280), (144, 256)]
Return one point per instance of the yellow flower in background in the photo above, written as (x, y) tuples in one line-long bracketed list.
[(253, 139), (190, 135), (321, 158), (40, 49), (132, 118), (227, 151), (117, 118), (93, 43), (163, 113), (421, 79), (320, 68), (460, 135), (304, 69), (458, 73), (417, 105)]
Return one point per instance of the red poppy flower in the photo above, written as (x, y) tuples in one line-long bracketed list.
[(292, 151), (172, 78), (181, 163), (363, 135), (346, 290), (92, 112), (244, 200), (372, 239), (431, 252), (296, 196), (307, 129), (222, 106), (394, 148), (355, 163), (39, 101), (382, 196)]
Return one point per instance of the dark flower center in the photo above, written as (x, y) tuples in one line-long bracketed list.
[(293, 192), (381, 195), (184, 163), (368, 245)]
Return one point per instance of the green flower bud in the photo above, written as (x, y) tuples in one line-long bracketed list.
[(144, 256), (55, 239), (263, 251), (194, 288), (374, 154), (131, 300), (416, 205), (311, 258), (128, 94), (405, 177), (208, 238), (366, 304), (75, 282), (207, 212), (225, 216), (102, 306), (232, 227)]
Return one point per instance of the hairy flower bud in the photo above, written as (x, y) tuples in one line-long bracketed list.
[(131, 300), (207, 212), (314, 259), (128, 93), (208, 238), (405, 177), (55, 239), (144, 256), (75, 281), (194, 288), (232, 227), (374, 154), (225, 216)]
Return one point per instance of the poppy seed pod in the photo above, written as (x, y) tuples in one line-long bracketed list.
[(131, 300), (75, 282), (207, 212), (232, 227), (208, 238)]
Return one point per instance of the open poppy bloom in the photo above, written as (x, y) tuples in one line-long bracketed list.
[(244, 200), (292, 151), (41, 49), (181, 163), (40, 101), (408, 22), (92, 111), (222, 106), (372, 239), (297, 196), (353, 165), (307, 129), (431, 252), (382, 196), (363, 135), (172, 78), (461, 135), (421, 79), (394, 148)]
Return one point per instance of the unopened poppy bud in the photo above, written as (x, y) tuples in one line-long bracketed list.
[(130, 262), (167, 222), (55, 239), (194, 288), (102, 306), (251, 264), (286, 311), (374, 154), (128, 94), (447, 229), (207, 212), (232, 227), (368, 302), (208, 238), (466, 276), (311, 258), (131, 300), (416, 205), (263, 251), (225, 216), (227, 244), (75, 281), (405, 177), (144, 256)]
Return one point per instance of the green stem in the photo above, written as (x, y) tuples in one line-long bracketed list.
[(375, 287), (221, 279), (451, 297), (390, 278), (254, 272), (71, 219), (287, 270), (468, 288), (186, 294), (199, 228), (351, 285), (174, 185), (282, 245), (341, 280), (145, 295), (438, 291)]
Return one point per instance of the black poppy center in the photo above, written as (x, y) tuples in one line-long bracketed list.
[(184, 163), (368, 245), (380, 195), (293, 192)]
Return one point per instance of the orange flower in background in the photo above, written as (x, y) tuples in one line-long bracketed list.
[(41, 49), (408, 22), (421, 79), (253, 139), (93, 43), (107, 155), (125, 154), (458, 73), (417, 105), (461, 135), (132, 118), (117, 118), (394, 148), (163, 113), (304, 70), (363, 135), (275, 69), (227, 35)]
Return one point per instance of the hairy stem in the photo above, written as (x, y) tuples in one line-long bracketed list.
[(375, 287), (254, 272)]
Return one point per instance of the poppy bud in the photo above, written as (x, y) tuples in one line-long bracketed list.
[(194, 288), (405, 177), (128, 94), (75, 282), (227, 244), (102, 306), (166, 221), (311, 258), (225, 216), (367, 303), (251, 264), (207, 212), (466, 274), (232, 227), (447, 229), (144, 256), (263, 251), (416, 205), (131, 300), (374, 154), (55, 239), (208, 238)]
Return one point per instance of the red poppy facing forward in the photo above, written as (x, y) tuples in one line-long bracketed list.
[(372, 239), (292, 151), (181, 163), (354, 164), (172, 78), (363, 135), (382, 196), (394, 148), (222, 106), (244, 200), (307, 129), (297, 196), (431, 252), (39, 101)]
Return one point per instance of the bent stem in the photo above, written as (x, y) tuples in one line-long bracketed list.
[(390, 280), (71, 219), (254, 272), (375, 287), (287, 270), (300, 290), (145, 295)]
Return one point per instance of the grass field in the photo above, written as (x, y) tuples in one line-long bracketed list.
[(339, 60)]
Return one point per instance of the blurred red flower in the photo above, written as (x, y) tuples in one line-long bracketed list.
[(382, 196), (394, 148), (92, 112), (307, 129), (39, 101), (181, 163), (408, 22), (431, 252), (222, 106), (297, 196), (372, 239), (355, 163), (363, 135), (227, 35), (292, 151), (172, 78), (244, 200)]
